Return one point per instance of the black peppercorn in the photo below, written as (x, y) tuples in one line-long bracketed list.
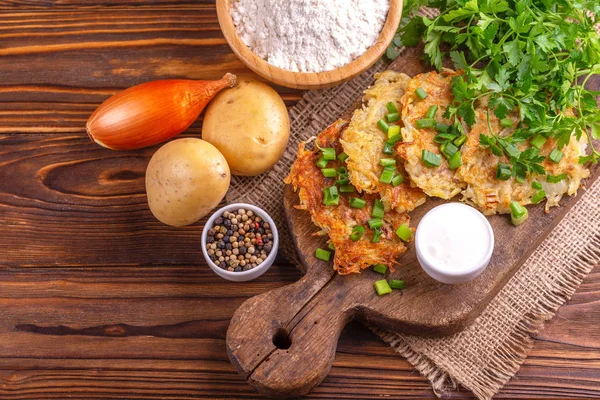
[(228, 246), (227, 222), (243, 250), (268, 247), (210, 239), (221, 245), (218, 221), (238, 269)]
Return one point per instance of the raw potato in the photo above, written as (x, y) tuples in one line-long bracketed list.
[(185, 180), (249, 124)]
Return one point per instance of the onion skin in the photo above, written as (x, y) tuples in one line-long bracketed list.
[(151, 113)]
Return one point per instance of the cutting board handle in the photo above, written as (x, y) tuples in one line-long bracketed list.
[(284, 341)]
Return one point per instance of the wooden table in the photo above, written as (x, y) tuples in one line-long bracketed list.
[(100, 300)]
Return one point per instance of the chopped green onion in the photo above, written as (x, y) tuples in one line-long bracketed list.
[(397, 284), (539, 196), (321, 162), (380, 268), (398, 179), (503, 172), (443, 137), (343, 180), (394, 139), (536, 185), (391, 107), (342, 171), (347, 189), (449, 149), (387, 175), (556, 155), (556, 178), (394, 130), (441, 127), (342, 157), (328, 153), (425, 123), (404, 232), (331, 196), (392, 117), (375, 223), (459, 141), (431, 159), (431, 111), (455, 161), (329, 172), (331, 246), (518, 213), (538, 141), (387, 162), (376, 235), (512, 150), (323, 254), (378, 209), (357, 203), (506, 122), (388, 148), (384, 126), (421, 93), (382, 287), (357, 233)]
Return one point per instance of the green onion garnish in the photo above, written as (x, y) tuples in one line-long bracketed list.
[(518, 213), (347, 189), (387, 175), (512, 150), (331, 196), (357, 203), (556, 178), (384, 126), (342, 157), (441, 127), (506, 122), (392, 117), (538, 141), (321, 162), (380, 268), (404, 232), (539, 196), (396, 180), (375, 223), (394, 130), (382, 287), (459, 141), (431, 159), (449, 149), (323, 254), (443, 137), (556, 155), (503, 172), (376, 235), (343, 180), (387, 162), (378, 209), (394, 139), (536, 185), (331, 246), (357, 233), (421, 93), (328, 153), (431, 111), (388, 148), (425, 123), (455, 161), (329, 172), (391, 107), (397, 284)]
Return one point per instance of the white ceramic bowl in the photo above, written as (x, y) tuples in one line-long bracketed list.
[(252, 273), (459, 273)]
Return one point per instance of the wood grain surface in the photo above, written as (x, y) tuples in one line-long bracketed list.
[(100, 301)]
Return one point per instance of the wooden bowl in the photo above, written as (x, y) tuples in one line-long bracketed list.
[(308, 80)]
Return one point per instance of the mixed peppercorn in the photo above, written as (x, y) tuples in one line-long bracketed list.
[(239, 241)]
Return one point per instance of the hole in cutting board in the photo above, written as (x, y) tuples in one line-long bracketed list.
[(281, 339)]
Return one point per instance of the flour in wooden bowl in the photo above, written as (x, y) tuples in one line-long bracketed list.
[(309, 35)]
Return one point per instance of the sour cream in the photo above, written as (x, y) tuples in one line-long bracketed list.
[(454, 243)]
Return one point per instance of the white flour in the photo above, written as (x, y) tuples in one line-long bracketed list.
[(309, 35)]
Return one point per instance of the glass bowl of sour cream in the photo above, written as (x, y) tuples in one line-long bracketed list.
[(454, 243)]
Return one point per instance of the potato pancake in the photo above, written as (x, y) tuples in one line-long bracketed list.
[(363, 141), (338, 221)]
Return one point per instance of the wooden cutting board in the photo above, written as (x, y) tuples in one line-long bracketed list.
[(284, 341)]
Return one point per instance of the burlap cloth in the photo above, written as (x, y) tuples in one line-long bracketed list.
[(484, 356)]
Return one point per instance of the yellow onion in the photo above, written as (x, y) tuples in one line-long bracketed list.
[(152, 112)]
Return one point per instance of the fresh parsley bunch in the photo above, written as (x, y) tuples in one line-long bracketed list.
[(530, 56)]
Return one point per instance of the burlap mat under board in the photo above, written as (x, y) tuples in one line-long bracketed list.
[(488, 353)]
